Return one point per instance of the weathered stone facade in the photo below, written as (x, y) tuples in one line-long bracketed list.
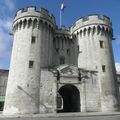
[(58, 70), (4, 79)]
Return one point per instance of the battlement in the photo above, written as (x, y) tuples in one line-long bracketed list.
[(29, 9), (62, 30), (94, 17), (32, 11), (44, 11), (91, 20)]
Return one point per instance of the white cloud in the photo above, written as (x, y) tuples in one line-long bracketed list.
[(6, 9), (5, 39), (6, 24), (117, 65)]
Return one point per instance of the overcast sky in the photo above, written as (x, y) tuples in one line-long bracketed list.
[(74, 10)]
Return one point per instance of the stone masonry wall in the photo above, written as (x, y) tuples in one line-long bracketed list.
[(48, 92)]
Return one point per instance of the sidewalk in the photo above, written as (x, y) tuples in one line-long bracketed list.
[(65, 116)]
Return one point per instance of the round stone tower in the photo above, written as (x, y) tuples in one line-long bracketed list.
[(32, 49), (94, 34)]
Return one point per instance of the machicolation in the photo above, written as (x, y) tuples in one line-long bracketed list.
[(57, 70)]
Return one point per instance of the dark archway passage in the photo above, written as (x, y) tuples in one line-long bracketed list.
[(71, 98)]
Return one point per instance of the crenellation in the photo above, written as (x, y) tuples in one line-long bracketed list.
[(33, 12), (19, 12), (28, 9), (91, 20), (53, 17), (31, 9), (106, 17), (63, 31), (93, 17), (80, 20), (80, 56), (84, 19), (44, 11)]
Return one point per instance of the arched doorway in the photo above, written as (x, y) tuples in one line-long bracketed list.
[(71, 98)]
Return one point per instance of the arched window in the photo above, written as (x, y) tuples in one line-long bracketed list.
[(35, 23), (29, 23)]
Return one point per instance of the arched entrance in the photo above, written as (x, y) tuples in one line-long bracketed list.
[(71, 98)]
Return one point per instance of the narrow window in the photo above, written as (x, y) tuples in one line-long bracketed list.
[(103, 68), (31, 64), (57, 50), (78, 48), (62, 60), (68, 51), (33, 39), (101, 44), (62, 44)]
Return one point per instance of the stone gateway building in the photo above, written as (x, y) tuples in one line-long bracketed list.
[(61, 70)]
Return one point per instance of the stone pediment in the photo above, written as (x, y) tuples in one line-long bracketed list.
[(68, 70), (72, 71)]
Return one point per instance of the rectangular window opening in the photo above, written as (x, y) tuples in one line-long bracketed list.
[(33, 39), (103, 68), (78, 48), (57, 50), (62, 60), (101, 44), (68, 51), (31, 64)]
